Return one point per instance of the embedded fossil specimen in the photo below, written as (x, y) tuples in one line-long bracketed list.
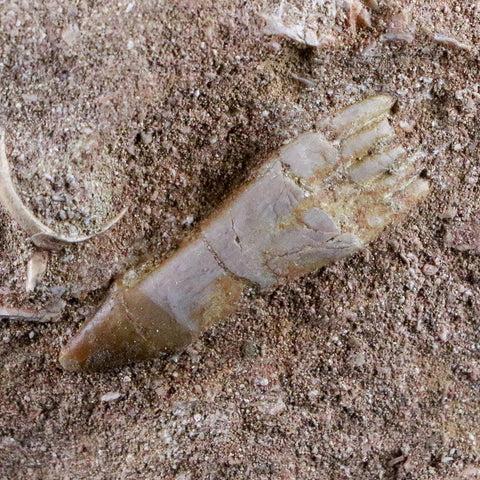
[(320, 198)]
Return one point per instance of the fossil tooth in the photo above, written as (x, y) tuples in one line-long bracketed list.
[(313, 202), (35, 269)]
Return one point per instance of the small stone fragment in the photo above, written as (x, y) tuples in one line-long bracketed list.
[(451, 42), (111, 397), (188, 221), (400, 29), (357, 14), (70, 34), (299, 33), (464, 237), (249, 350), (36, 268), (261, 382), (272, 407), (429, 269), (447, 459), (146, 137), (357, 360), (449, 213), (317, 24)]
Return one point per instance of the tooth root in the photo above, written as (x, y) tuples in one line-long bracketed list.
[(359, 115), (396, 204), (403, 199), (373, 165), (308, 155), (358, 144)]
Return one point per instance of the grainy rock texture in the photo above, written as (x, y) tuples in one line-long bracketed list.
[(366, 369)]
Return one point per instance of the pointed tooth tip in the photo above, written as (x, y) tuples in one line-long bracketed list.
[(113, 338), (68, 361), (81, 354), (103, 342)]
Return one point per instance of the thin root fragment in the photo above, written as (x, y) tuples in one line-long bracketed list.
[(450, 42), (27, 315), (41, 235), (7, 313)]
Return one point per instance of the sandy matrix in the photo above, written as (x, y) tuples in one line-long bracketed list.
[(368, 369)]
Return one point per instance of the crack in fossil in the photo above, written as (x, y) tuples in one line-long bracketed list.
[(237, 236), (131, 317), (221, 264)]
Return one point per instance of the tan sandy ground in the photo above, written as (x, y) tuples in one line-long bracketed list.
[(368, 369)]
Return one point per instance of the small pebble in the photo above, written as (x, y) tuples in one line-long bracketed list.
[(408, 127), (443, 334), (188, 221), (448, 213), (249, 350), (429, 269), (110, 396), (475, 373), (70, 181), (262, 382), (197, 417), (146, 137), (358, 360)]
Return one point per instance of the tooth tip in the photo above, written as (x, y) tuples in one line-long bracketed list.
[(69, 362), (106, 340), (113, 339)]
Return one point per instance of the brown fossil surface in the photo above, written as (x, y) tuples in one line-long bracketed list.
[(312, 203), (367, 368)]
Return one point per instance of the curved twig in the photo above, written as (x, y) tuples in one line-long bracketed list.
[(41, 235)]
